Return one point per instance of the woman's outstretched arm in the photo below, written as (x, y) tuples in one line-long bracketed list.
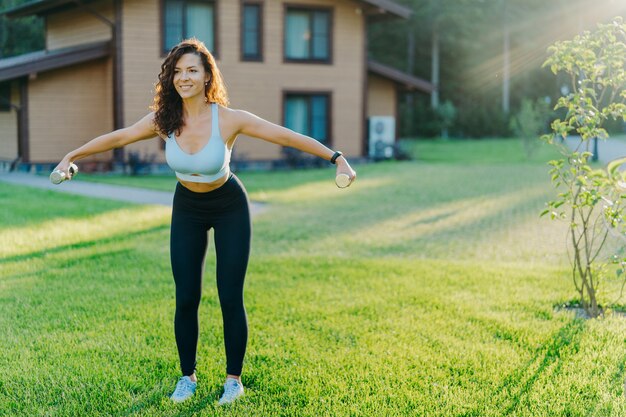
[(254, 126), (143, 129)]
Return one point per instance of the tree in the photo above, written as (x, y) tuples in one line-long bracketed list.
[(591, 200)]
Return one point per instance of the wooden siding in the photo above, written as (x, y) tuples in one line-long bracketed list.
[(381, 97), (141, 59), (258, 87), (76, 27), (8, 127), (67, 108)]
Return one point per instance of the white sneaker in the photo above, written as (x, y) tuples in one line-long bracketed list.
[(232, 390), (184, 389)]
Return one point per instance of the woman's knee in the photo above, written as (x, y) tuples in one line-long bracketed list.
[(232, 305), (187, 301)]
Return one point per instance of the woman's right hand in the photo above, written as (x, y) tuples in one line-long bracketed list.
[(64, 166)]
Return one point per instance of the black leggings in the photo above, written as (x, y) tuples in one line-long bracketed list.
[(226, 210)]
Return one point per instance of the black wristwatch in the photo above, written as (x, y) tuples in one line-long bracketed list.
[(336, 155)]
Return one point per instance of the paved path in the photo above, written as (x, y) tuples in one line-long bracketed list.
[(607, 149), (97, 190)]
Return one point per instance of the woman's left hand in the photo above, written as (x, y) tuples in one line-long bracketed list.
[(343, 167)]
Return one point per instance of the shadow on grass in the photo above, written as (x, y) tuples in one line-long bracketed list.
[(208, 401), (519, 383), (66, 263), (403, 227), (25, 206), (618, 376), (81, 245), (158, 397), (483, 226)]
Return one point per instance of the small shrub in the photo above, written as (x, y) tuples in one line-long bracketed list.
[(588, 198), (530, 123)]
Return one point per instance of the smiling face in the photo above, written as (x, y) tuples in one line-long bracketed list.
[(190, 76)]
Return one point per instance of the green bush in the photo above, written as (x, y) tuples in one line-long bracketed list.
[(530, 122), (481, 119)]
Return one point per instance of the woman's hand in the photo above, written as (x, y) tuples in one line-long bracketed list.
[(343, 167), (64, 166)]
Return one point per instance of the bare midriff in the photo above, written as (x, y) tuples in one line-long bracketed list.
[(200, 187)]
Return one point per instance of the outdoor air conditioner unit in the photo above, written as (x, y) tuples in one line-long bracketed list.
[(382, 137)]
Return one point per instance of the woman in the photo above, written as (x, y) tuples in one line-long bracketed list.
[(191, 116)]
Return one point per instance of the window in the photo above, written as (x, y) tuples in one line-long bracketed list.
[(251, 32), (308, 114), (307, 35), (5, 97), (189, 18)]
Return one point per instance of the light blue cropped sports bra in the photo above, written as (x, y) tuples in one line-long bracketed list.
[(208, 164)]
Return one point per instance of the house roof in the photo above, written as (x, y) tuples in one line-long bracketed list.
[(388, 7), (35, 7), (402, 78), (379, 7), (19, 66), (40, 7)]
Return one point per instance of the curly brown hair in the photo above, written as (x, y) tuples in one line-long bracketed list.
[(168, 105)]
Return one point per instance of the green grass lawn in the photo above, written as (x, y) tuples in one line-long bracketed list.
[(428, 288)]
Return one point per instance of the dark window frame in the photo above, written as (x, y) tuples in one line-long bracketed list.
[(287, 7), (5, 96), (260, 29), (310, 93), (215, 52)]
